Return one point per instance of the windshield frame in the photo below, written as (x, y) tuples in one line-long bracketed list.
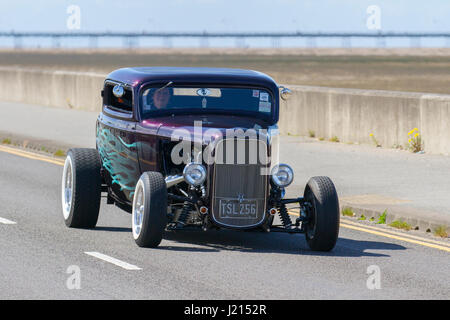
[(268, 117)]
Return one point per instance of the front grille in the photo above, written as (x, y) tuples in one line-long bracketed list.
[(240, 184)]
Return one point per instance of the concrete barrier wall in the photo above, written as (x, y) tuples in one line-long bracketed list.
[(63, 89), (352, 115), (349, 114)]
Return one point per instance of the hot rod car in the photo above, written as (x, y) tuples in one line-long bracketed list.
[(184, 148)]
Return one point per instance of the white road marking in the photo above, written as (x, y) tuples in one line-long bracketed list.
[(6, 221), (112, 260)]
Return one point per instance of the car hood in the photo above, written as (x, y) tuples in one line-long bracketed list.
[(211, 125)]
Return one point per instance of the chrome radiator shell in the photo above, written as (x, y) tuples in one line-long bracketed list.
[(239, 178)]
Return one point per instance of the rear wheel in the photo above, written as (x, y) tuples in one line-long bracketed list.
[(81, 188), (149, 213), (322, 227)]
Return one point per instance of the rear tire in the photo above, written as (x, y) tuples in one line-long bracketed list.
[(81, 188), (149, 213), (322, 229)]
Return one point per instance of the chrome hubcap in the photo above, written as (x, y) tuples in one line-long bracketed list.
[(138, 210), (67, 187)]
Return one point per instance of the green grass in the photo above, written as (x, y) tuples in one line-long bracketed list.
[(382, 218), (334, 139), (348, 212), (441, 231), (311, 133), (372, 219), (59, 153), (363, 217), (401, 225), (321, 138), (6, 141)]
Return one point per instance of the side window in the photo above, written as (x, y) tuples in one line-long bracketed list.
[(122, 104)]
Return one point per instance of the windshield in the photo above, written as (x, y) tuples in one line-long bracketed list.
[(171, 99)]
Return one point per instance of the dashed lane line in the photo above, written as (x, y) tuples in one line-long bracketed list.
[(112, 260), (6, 221)]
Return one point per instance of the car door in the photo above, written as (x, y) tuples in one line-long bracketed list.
[(116, 143)]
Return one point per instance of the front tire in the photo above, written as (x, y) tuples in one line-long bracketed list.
[(322, 228), (81, 188), (149, 213)]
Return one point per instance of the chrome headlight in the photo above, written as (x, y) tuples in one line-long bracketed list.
[(194, 174), (282, 175)]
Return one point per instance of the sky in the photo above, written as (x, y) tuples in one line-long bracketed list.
[(226, 15)]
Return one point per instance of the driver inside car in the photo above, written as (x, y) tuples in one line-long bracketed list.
[(161, 97)]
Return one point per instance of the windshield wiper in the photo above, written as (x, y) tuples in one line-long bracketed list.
[(165, 86)]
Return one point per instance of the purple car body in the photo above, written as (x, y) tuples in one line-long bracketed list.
[(139, 139), (183, 148)]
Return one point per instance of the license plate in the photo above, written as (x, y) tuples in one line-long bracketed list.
[(234, 208)]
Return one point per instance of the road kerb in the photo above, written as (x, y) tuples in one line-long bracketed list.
[(423, 223)]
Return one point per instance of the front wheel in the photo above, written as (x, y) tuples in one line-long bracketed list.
[(149, 213), (322, 227), (81, 188)]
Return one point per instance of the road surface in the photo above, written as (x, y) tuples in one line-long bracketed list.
[(37, 250)]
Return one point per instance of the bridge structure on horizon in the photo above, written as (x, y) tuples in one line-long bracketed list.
[(131, 39)]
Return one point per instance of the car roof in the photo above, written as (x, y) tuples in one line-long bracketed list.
[(137, 76)]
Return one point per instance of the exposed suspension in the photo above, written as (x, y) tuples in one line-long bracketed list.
[(284, 216), (185, 211)]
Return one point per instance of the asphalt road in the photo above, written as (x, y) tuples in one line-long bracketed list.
[(37, 250)]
